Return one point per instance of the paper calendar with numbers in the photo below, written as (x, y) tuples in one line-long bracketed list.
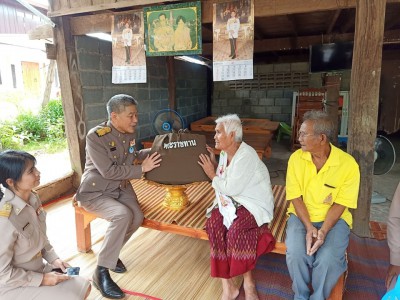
[(129, 74), (242, 69)]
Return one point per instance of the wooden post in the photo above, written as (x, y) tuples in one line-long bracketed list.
[(71, 94), (364, 96), (171, 82), (332, 86), (49, 82)]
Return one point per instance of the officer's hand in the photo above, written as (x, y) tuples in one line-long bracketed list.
[(392, 272), (53, 278), (59, 264), (151, 161)]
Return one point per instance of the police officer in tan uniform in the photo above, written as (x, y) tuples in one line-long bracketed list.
[(105, 189), (24, 243)]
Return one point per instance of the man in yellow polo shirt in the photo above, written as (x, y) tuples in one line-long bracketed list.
[(322, 183)]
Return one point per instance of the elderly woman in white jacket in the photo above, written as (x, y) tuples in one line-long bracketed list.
[(237, 224)]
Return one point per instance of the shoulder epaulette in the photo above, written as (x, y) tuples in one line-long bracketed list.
[(103, 131), (6, 209)]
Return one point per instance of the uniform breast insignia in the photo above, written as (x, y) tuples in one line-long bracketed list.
[(103, 131), (112, 146), (132, 146), (6, 209)]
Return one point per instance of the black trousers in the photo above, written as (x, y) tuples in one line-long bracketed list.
[(233, 46)]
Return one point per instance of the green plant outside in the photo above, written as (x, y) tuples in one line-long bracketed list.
[(44, 131)]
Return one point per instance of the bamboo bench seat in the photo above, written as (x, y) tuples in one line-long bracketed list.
[(190, 221)]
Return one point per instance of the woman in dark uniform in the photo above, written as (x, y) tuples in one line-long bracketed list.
[(24, 244)]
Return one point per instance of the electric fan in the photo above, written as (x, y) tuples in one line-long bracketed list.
[(384, 159), (166, 121), (384, 155)]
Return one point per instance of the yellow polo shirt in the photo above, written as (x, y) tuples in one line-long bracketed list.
[(337, 182)]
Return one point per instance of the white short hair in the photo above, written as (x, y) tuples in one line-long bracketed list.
[(232, 123)]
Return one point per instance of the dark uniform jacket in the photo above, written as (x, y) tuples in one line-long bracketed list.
[(109, 163)]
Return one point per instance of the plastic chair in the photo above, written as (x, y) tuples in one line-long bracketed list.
[(284, 129), (393, 294)]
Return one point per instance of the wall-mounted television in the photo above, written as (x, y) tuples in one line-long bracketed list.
[(331, 57)]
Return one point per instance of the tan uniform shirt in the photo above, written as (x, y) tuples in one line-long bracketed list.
[(393, 229), (24, 243), (109, 158)]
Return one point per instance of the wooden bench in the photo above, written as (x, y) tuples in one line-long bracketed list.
[(190, 221)]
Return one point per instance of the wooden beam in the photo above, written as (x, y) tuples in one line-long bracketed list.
[(51, 51), (206, 30), (71, 96), (333, 21), (346, 26), (293, 24), (332, 86), (258, 34), (49, 82), (91, 24), (364, 95), (171, 82), (114, 4), (262, 8), (286, 44)]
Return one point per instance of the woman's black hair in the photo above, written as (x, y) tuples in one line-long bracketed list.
[(12, 166)]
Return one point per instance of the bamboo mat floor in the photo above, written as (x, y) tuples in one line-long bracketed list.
[(162, 265)]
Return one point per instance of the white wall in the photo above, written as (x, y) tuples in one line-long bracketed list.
[(15, 49)]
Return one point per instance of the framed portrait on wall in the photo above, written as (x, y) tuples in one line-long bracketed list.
[(173, 29)]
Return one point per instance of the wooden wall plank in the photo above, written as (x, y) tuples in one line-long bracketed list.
[(364, 95)]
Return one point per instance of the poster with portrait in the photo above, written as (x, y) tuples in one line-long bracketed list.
[(173, 29), (128, 54), (233, 40)]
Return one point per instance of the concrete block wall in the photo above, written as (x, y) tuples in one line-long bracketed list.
[(191, 90), (94, 66), (273, 102)]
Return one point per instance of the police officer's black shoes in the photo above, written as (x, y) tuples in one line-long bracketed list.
[(119, 268), (104, 283)]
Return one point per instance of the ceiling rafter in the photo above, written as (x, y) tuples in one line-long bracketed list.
[(333, 21), (286, 44)]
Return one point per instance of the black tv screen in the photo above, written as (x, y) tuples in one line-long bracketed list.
[(331, 57)]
